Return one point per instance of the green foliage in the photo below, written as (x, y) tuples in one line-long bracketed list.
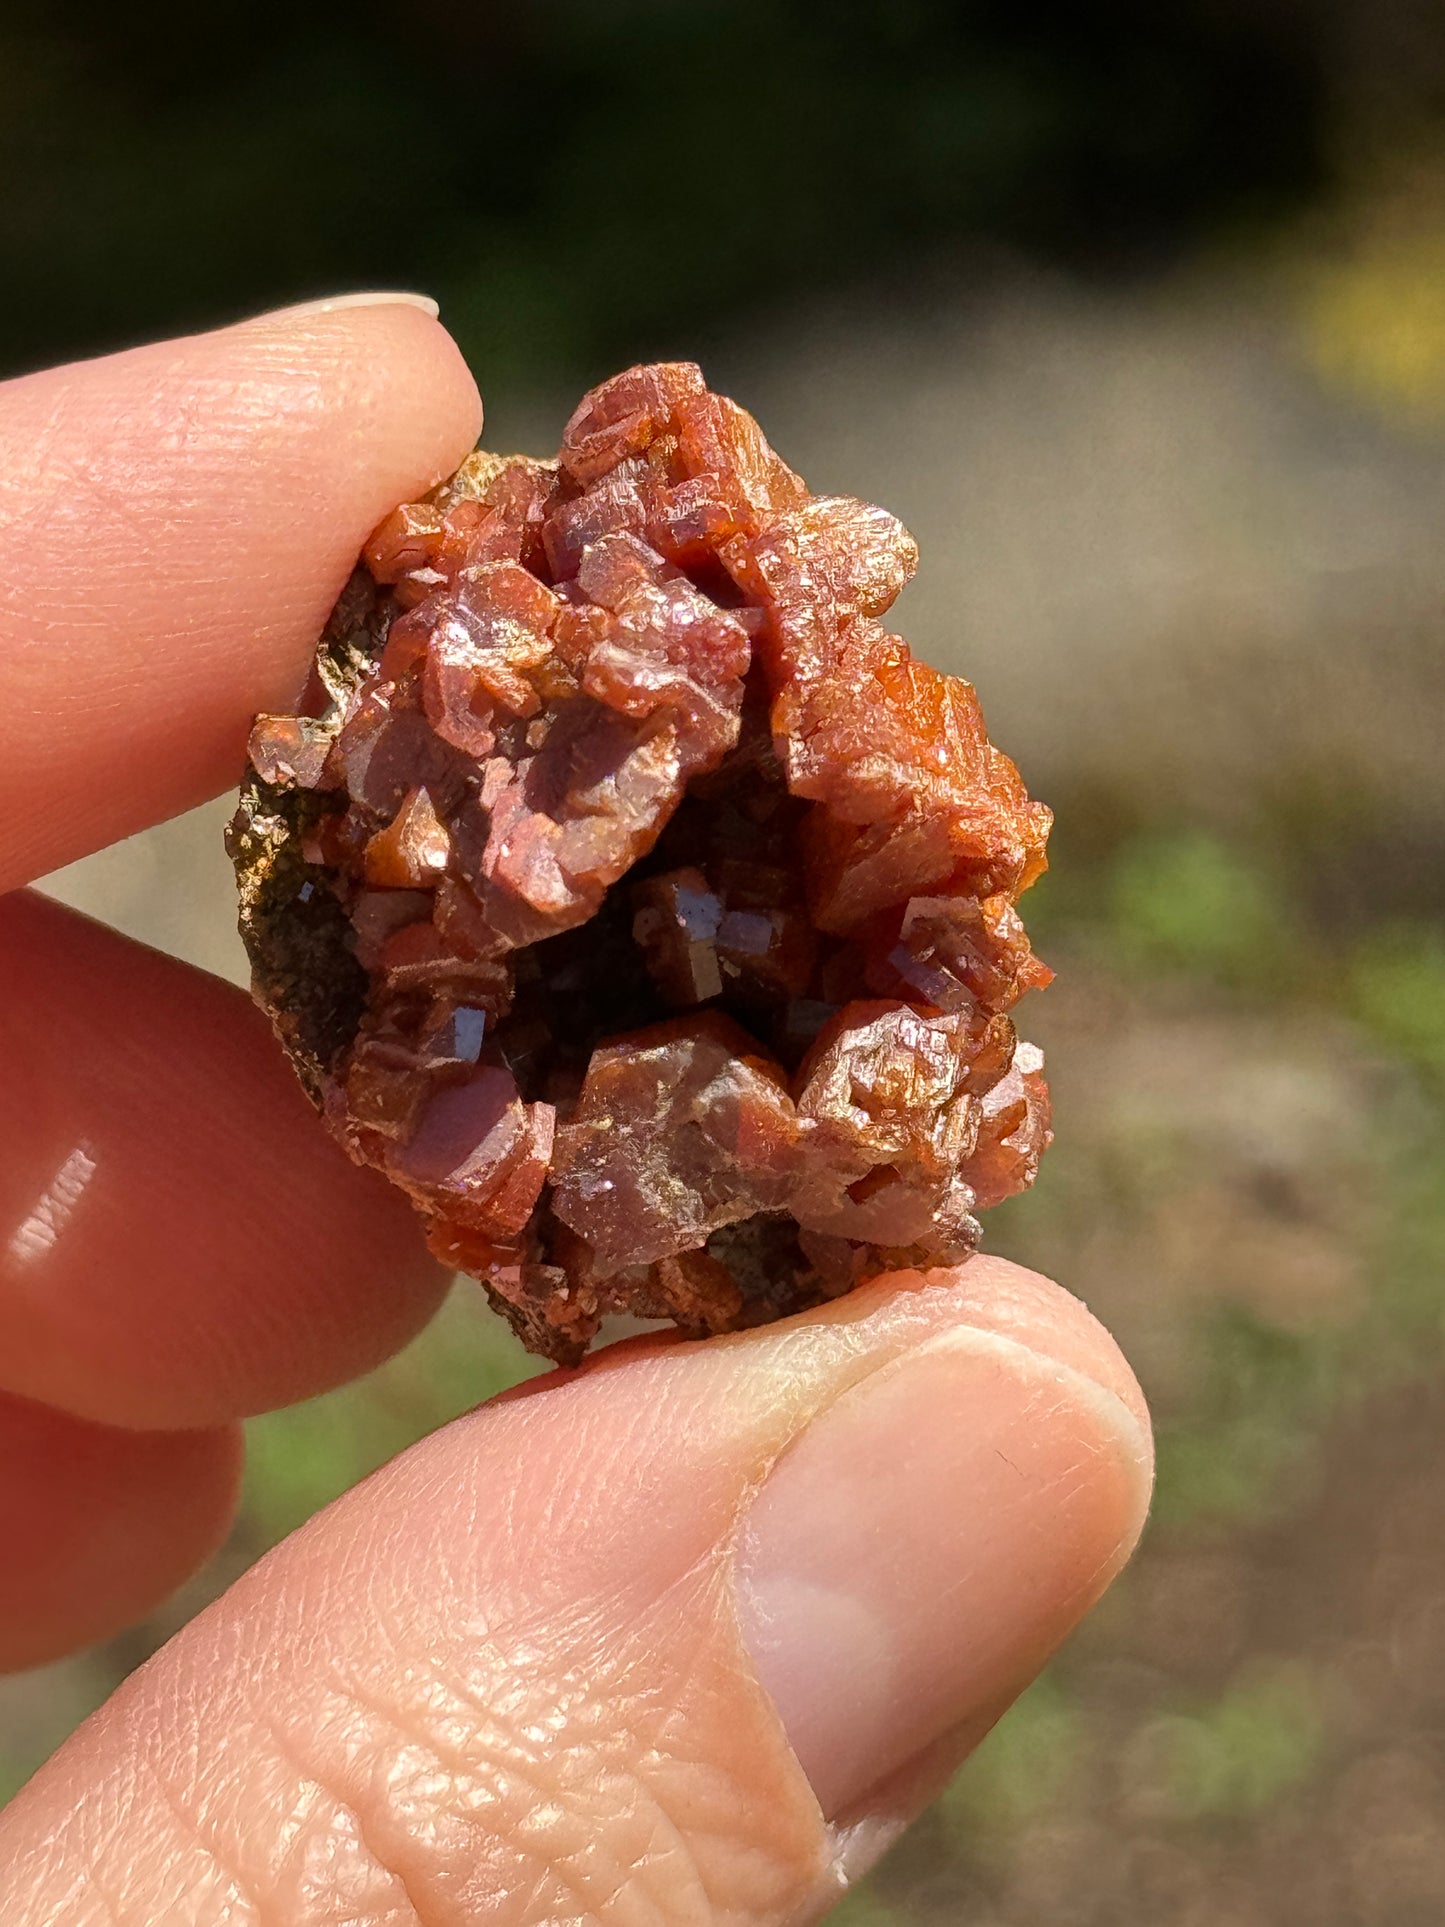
[(1398, 987), (301, 1459), (1259, 1397), (1260, 1740), (1235, 1470), (865, 1908), (1192, 911), (1413, 1263), (1192, 901), (1253, 1414)]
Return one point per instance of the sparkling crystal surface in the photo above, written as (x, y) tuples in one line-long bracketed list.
[(637, 902)]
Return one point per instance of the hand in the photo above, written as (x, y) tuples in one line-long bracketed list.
[(685, 1637)]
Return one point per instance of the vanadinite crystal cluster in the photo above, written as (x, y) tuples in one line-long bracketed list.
[(634, 900)]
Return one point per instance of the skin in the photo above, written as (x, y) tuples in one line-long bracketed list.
[(687, 1636)]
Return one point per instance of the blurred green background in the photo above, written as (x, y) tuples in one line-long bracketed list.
[(1137, 316)]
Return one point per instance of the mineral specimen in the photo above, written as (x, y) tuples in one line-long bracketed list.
[(633, 899)]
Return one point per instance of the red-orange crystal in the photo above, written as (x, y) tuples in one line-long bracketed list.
[(684, 895)]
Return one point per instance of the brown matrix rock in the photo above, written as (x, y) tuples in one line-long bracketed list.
[(634, 900)]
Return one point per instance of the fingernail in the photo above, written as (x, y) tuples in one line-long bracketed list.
[(334, 303), (914, 1558)]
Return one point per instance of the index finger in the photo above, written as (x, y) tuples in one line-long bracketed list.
[(175, 524)]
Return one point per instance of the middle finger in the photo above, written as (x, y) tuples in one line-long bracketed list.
[(180, 1241)]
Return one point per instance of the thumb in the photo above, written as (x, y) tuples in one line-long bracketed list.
[(683, 1637)]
